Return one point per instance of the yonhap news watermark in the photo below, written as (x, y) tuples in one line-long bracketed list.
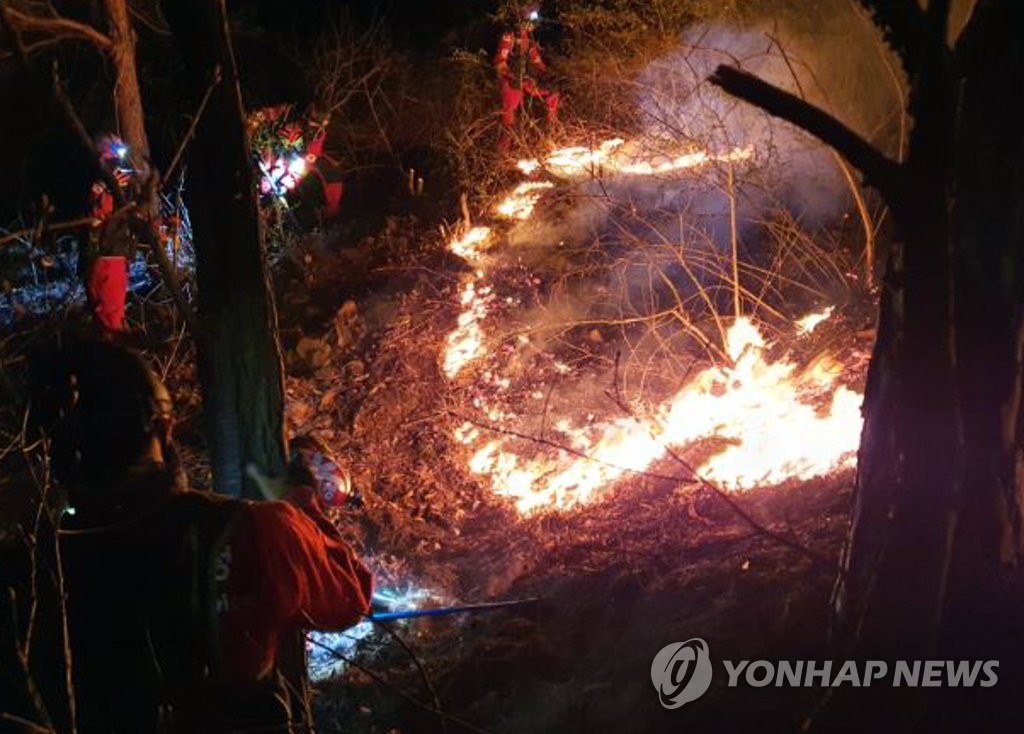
[(682, 672)]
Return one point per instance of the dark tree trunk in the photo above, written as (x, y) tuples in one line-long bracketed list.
[(240, 356), (936, 542), (240, 368), (904, 517), (934, 554)]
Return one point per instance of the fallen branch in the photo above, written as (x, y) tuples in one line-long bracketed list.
[(70, 225)]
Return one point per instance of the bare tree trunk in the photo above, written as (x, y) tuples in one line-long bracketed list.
[(936, 544), (240, 356), (127, 99)]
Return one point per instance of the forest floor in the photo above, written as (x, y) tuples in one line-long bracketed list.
[(650, 563)]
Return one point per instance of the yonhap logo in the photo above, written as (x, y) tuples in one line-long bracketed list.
[(681, 672)]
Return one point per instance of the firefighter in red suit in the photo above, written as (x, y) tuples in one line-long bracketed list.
[(181, 604), (111, 242), (519, 64)]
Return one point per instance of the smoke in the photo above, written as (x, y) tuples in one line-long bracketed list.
[(667, 238)]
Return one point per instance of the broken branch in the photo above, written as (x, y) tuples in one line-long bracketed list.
[(878, 170), (56, 26)]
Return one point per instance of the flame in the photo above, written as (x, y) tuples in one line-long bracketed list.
[(472, 244), (520, 203), (811, 321), (760, 410), (466, 342), (760, 414), (573, 160), (665, 164), (613, 156)]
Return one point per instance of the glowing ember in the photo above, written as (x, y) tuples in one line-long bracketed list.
[(759, 409), (810, 322), (520, 203)]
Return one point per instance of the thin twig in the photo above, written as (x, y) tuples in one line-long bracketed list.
[(31, 690), (737, 308), (568, 449), (803, 550), (419, 667), (190, 133), (65, 628), (855, 190)]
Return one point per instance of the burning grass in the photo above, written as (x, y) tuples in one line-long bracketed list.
[(739, 400), (413, 383), (505, 457), (651, 559)]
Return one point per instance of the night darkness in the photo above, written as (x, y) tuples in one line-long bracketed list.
[(485, 366), (41, 157)]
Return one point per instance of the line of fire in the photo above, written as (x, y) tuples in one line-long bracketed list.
[(502, 367)]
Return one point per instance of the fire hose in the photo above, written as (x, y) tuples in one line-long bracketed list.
[(446, 611)]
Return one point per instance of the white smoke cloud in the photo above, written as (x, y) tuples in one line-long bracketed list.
[(650, 225)]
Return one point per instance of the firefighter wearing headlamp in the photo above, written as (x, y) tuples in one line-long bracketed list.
[(520, 66), (184, 609)]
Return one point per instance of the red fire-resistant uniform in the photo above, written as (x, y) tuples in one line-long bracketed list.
[(518, 62), (107, 286), (292, 151), (106, 280), (183, 611), (179, 603), (287, 569)]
